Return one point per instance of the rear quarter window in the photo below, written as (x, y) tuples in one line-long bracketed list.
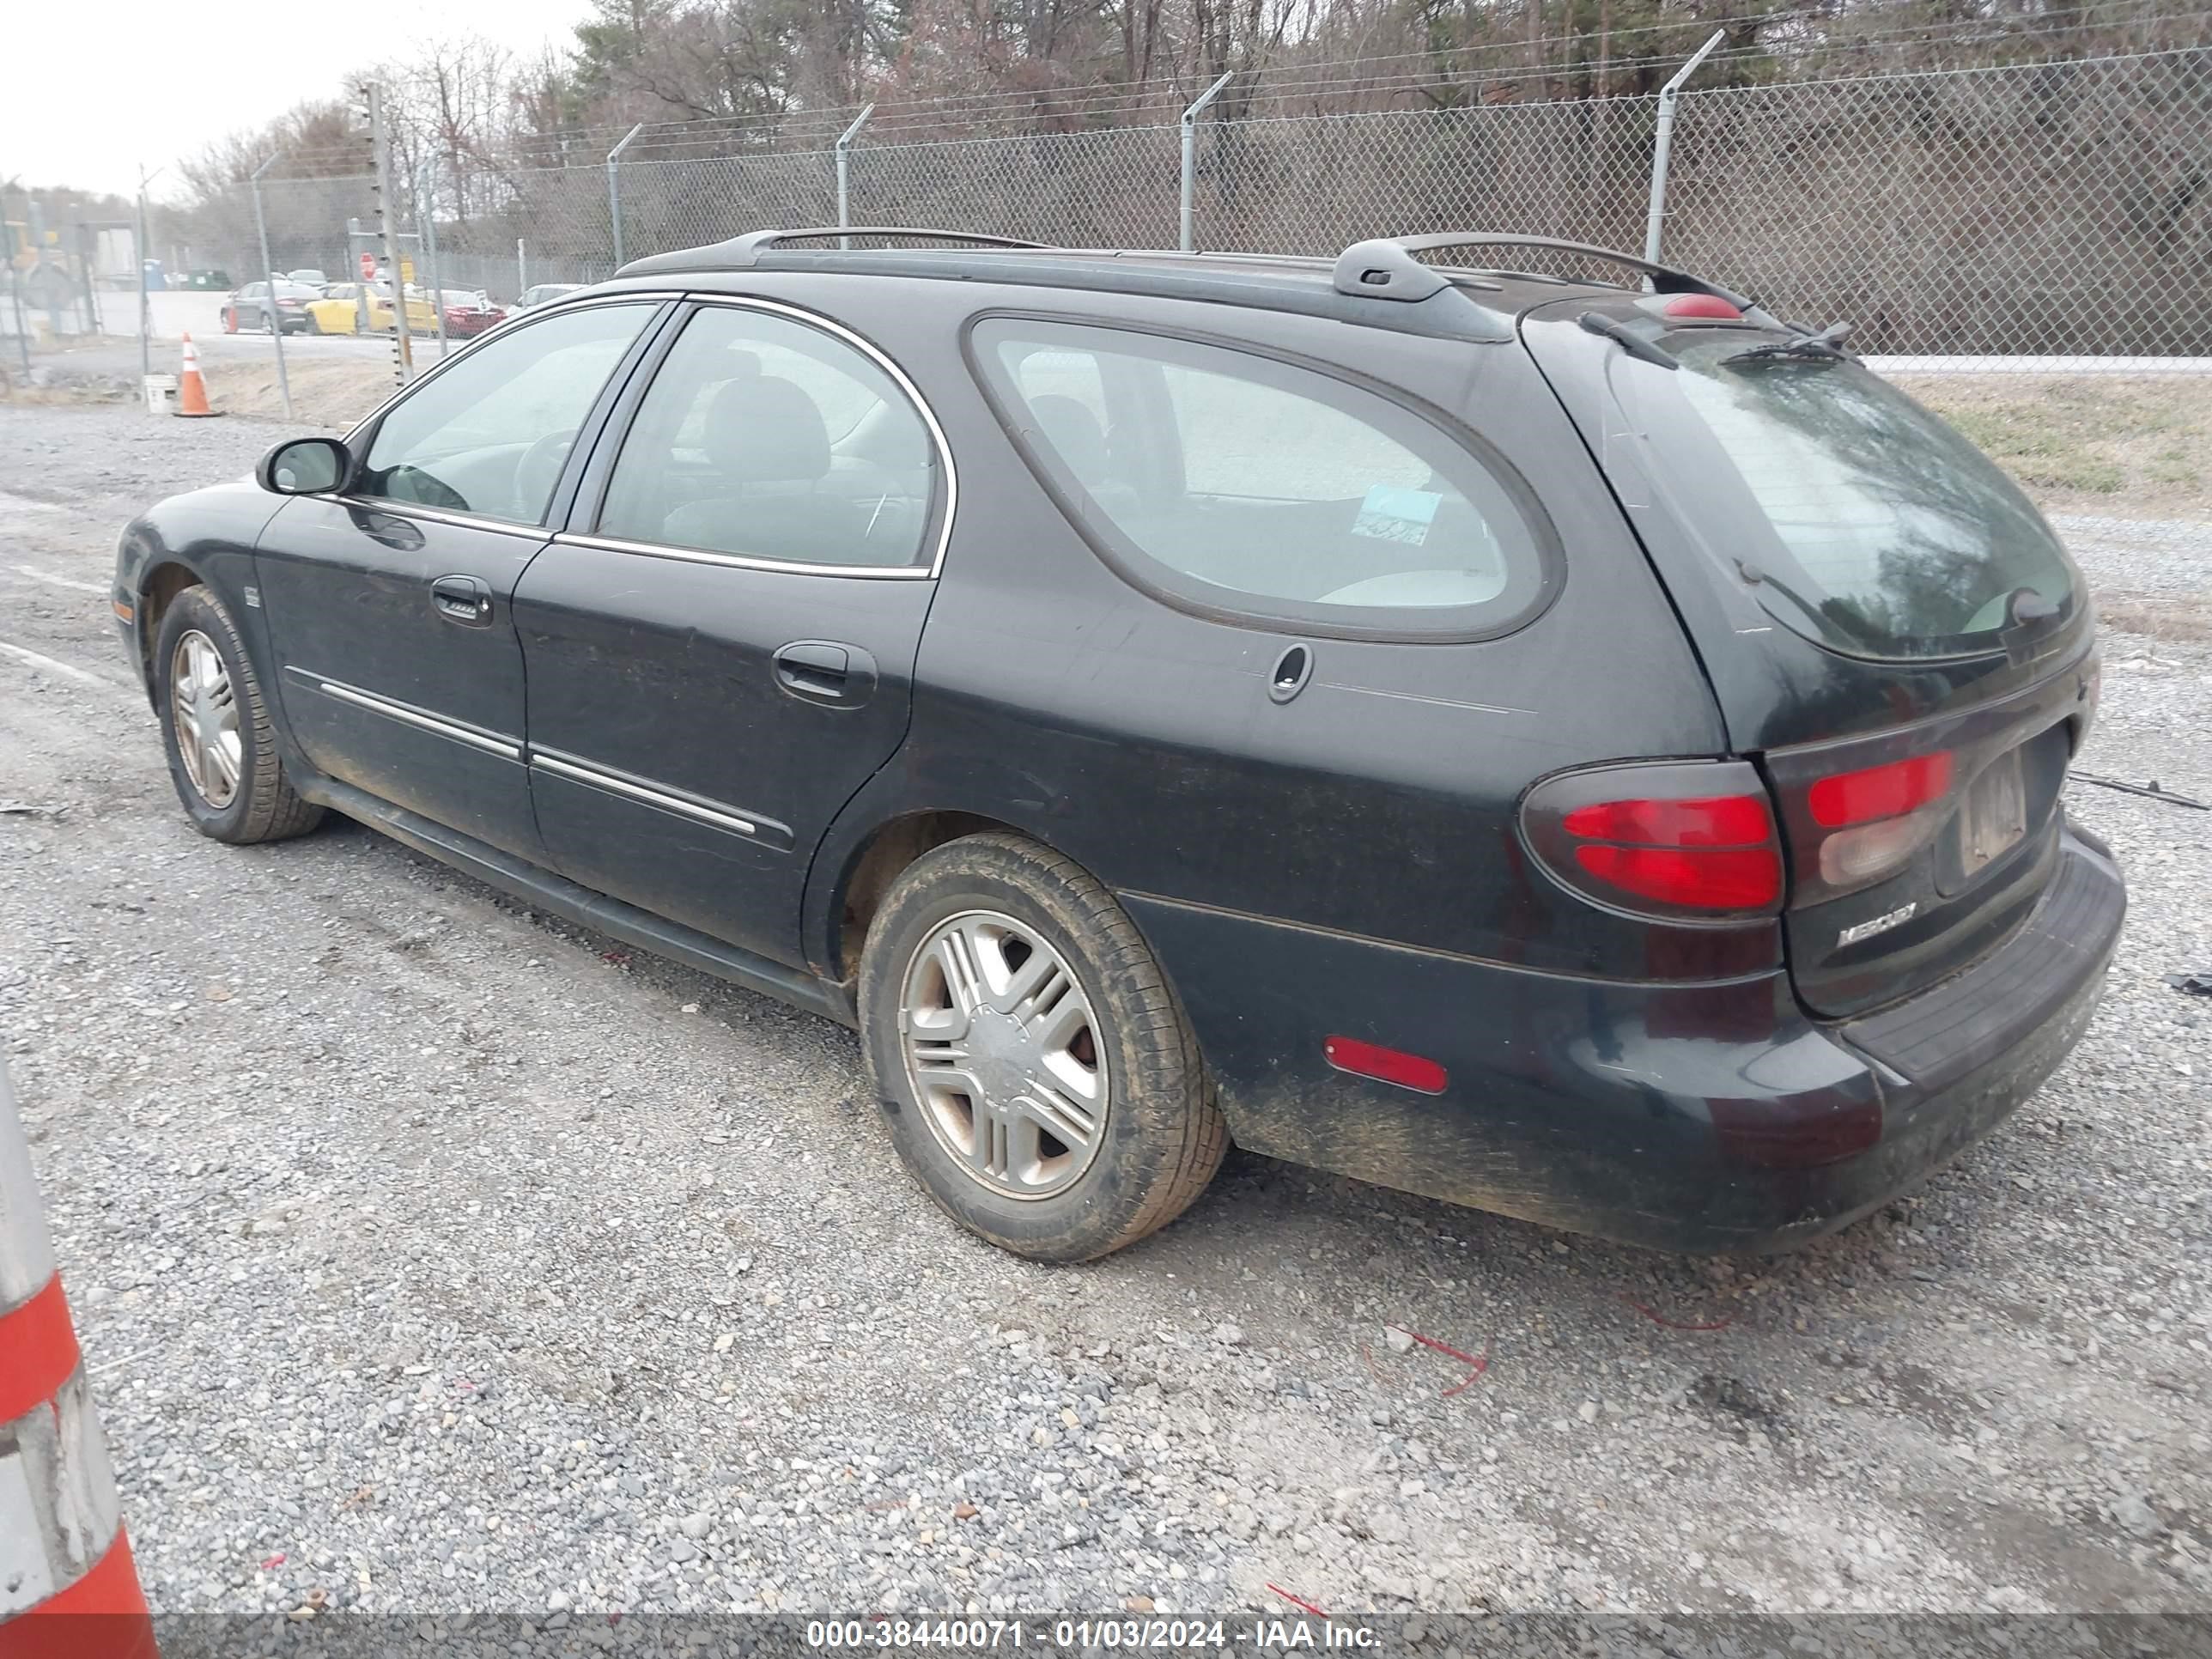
[(1260, 490)]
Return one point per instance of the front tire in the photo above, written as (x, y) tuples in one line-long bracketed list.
[(1031, 1062), (215, 728)]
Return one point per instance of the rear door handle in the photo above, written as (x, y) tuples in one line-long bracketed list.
[(823, 670), (462, 599)]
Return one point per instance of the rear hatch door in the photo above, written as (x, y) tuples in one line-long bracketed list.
[(1890, 628)]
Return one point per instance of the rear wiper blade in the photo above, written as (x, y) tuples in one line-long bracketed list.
[(1629, 340), (1819, 348)]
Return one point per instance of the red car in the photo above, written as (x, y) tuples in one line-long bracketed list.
[(470, 313)]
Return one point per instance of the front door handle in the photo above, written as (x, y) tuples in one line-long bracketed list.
[(823, 670), (462, 599)]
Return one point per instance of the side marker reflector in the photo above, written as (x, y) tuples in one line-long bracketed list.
[(1386, 1065)]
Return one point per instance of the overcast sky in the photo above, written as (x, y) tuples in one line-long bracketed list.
[(89, 94)]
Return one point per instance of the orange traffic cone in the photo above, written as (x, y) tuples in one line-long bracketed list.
[(69, 1584), (191, 391)]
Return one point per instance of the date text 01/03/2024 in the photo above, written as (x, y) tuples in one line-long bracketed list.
[(1168, 1634)]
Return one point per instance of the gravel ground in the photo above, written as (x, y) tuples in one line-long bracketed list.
[(431, 1257)]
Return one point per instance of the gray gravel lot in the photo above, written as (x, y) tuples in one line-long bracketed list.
[(433, 1256)]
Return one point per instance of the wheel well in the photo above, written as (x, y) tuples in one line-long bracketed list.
[(162, 585), (894, 846)]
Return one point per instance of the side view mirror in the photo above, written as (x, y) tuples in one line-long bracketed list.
[(304, 466)]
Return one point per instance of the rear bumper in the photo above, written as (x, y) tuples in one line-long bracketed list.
[(1692, 1118)]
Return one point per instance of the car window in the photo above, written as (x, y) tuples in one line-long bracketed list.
[(766, 438), (1073, 375), (1889, 535), (1262, 488), (490, 434), (253, 290)]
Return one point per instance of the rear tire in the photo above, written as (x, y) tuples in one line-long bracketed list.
[(216, 730), (1057, 955)]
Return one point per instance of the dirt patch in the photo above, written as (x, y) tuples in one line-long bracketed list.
[(2082, 443), (332, 394), (2155, 617), (324, 393)]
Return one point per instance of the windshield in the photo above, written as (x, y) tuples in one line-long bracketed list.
[(1890, 534)]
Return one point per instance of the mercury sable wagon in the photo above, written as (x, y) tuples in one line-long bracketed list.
[(1584, 749)]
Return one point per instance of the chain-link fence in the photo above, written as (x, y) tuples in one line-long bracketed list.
[(2058, 209), (2021, 245), (2055, 209), (1116, 187), (1312, 184)]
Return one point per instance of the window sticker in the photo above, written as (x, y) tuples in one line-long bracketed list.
[(1392, 513)]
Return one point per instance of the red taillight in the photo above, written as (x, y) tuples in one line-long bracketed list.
[(1703, 852), (1874, 818), (1674, 840), (1709, 306), (1880, 792), (1389, 1064), (1713, 821), (1697, 878)]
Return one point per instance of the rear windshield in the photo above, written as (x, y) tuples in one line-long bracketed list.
[(1891, 535)]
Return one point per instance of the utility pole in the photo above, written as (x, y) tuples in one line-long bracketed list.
[(614, 192), (145, 304), (16, 292), (426, 220), (387, 212), (23, 323), (1662, 143), (269, 275), (1187, 204), (845, 171)]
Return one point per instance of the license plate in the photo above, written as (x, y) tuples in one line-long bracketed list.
[(1995, 814)]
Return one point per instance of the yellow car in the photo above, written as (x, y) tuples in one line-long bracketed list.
[(339, 311)]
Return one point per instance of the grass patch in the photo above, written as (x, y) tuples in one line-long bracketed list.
[(2085, 440), (2175, 467), (2091, 474)]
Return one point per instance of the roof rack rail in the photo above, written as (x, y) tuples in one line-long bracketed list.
[(1385, 268), (741, 251)]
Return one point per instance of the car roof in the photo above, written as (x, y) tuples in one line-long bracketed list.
[(1378, 282)]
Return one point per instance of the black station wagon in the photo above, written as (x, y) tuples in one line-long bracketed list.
[(1583, 749)]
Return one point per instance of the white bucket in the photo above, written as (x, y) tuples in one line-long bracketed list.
[(161, 391)]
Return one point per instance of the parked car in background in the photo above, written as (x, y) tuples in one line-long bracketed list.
[(310, 276), (541, 292), (469, 312), (259, 307), (338, 310), (204, 281), (1585, 750)]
